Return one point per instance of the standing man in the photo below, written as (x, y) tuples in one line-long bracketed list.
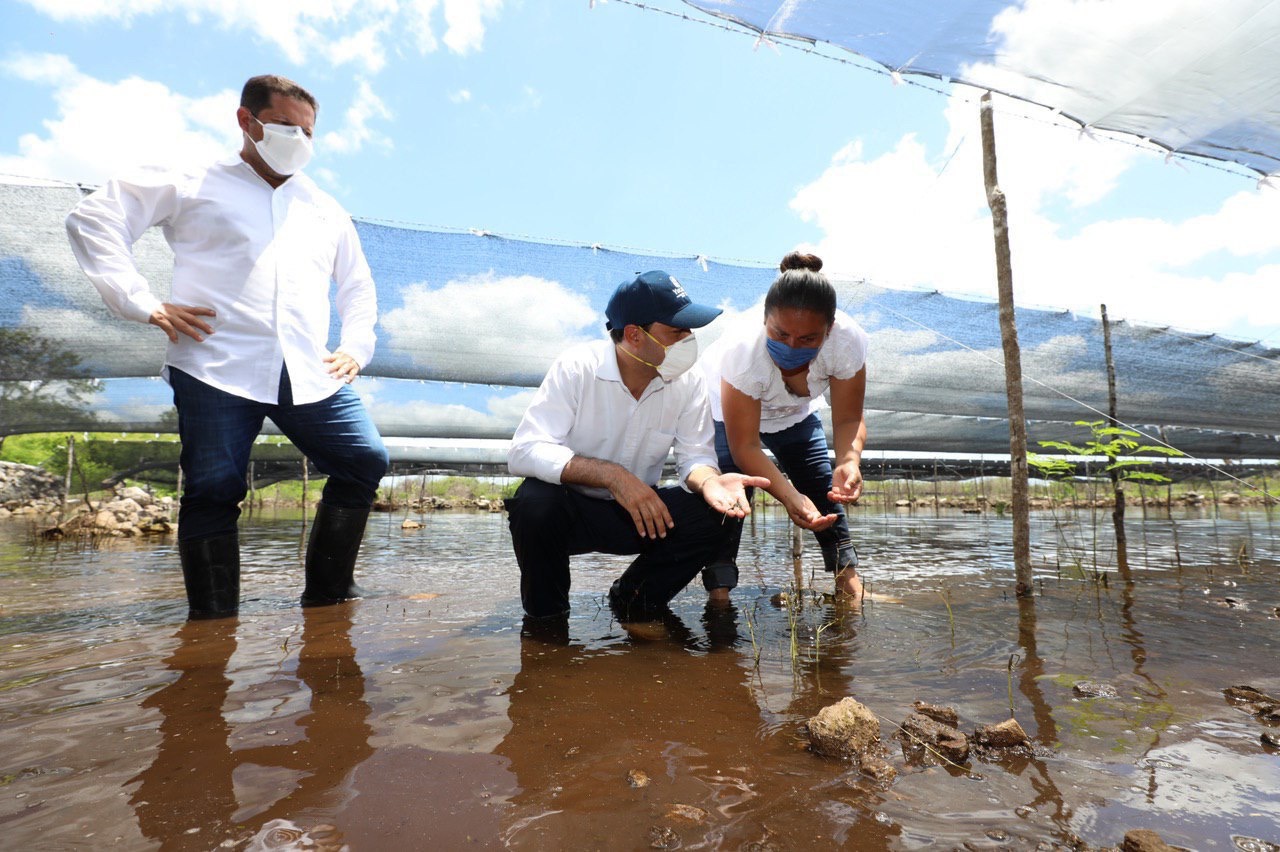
[(256, 244), (592, 446)]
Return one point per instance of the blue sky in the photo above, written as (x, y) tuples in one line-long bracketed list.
[(626, 127)]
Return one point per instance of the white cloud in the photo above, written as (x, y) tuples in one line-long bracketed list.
[(465, 23), (498, 419), (461, 96), (105, 128), (355, 130), (340, 32), (895, 220), (1172, 70), (485, 327)]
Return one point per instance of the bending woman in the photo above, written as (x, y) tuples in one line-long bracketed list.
[(766, 385)]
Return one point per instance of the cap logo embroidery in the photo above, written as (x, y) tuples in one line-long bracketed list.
[(678, 290)]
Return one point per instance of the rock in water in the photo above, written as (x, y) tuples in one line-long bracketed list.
[(878, 769), (664, 837), (846, 730), (920, 733), (946, 715), (1092, 689), (1007, 734), (1144, 840), (689, 813)]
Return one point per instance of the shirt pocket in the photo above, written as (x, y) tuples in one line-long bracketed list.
[(655, 449)]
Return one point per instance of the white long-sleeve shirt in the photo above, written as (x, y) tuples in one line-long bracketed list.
[(262, 258), (583, 408)]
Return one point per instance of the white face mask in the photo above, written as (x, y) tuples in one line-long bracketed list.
[(283, 147), (680, 356)]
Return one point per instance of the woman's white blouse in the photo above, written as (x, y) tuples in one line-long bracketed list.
[(741, 359)]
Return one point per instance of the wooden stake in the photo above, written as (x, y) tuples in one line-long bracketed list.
[(1012, 357), (1117, 489)]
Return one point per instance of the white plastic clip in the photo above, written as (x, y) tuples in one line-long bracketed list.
[(702, 261), (1170, 160), (765, 40), (1086, 131), (1265, 182), (479, 232), (895, 78)]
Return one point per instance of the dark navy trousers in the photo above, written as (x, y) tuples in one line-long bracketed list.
[(550, 523)]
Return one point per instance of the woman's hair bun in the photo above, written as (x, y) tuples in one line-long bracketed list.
[(800, 260)]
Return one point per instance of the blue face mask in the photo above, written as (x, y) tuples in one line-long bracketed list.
[(789, 357)]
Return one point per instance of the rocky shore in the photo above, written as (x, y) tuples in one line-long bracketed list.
[(127, 511)]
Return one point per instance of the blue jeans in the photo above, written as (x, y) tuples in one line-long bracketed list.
[(801, 453), (218, 429)]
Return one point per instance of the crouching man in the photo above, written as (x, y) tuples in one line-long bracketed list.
[(592, 446)]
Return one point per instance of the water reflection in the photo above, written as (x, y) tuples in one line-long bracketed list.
[(652, 734), (189, 792)]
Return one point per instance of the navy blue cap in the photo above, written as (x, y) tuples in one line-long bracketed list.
[(655, 297)]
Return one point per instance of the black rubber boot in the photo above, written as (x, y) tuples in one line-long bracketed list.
[(211, 571), (335, 539)]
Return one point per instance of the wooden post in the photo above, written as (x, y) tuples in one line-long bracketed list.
[(71, 461), (936, 508), (1117, 489), (252, 489), (1012, 357)]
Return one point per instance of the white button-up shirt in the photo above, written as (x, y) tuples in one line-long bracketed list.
[(262, 258), (583, 408)]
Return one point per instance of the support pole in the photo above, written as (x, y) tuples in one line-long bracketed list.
[(71, 463), (1117, 488), (1012, 357)]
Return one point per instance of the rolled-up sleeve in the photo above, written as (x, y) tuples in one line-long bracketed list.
[(356, 298), (103, 228), (539, 447), (694, 443)]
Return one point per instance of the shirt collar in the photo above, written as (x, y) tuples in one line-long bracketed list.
[(299, 181), (606, 351)]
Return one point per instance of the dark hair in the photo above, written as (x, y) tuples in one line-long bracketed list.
[(257, 92), (803, 287), (616, 334)]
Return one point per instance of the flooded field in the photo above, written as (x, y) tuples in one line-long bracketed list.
[(422, 718)]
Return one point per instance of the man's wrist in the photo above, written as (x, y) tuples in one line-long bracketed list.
[(698, 477)]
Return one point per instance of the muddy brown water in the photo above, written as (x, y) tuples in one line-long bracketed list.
[(421, 718)]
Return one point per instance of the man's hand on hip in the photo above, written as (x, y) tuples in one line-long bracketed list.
[(182, 319), (342, 366)]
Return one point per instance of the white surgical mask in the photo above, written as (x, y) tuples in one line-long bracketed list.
[(283, 147), (680, 356)]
